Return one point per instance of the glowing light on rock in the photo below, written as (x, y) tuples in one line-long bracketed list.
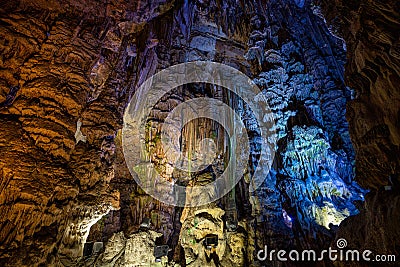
[(328, 215)]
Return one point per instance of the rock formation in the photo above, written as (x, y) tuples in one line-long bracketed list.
[(370, 29), (329, 71)]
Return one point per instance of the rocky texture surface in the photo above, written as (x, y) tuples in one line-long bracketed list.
[(300, 67), (371, 32), (59, 121), (135, 250), (370, 29), (68, 70)]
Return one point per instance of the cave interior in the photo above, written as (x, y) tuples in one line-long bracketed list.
[(89, 177)]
